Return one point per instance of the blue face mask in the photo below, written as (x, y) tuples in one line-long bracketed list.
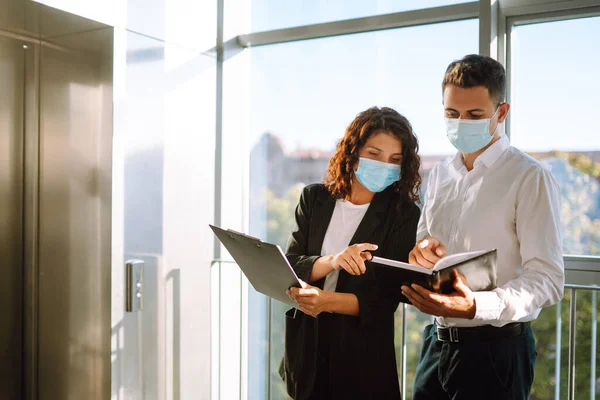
[(469, 136), (376, 176)]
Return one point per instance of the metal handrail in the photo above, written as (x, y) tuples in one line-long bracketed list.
[(573, 288), (582, 287)]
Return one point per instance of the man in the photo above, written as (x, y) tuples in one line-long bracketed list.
[(489, 196)]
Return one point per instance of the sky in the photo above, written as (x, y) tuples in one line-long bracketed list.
[(308, 92)]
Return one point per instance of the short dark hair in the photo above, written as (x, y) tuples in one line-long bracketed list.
[(475, 70)]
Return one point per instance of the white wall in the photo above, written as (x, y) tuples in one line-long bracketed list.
[(163, 190)]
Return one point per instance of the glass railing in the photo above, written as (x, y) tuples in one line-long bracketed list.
[(566, 336)]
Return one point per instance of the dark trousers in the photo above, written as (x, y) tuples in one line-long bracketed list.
[(500, 369)]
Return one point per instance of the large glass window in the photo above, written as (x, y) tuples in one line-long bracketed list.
[(277, 14), (162, 169), (303, 95), (555, 102), (555, 99)]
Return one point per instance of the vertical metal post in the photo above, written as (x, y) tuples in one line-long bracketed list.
[(269, 340), (218, 166), (242, 369), (558, 351), (572, 328), (594, 347), (220, 316), (508, 26), (219, 125), (485, 27), (403, 346)]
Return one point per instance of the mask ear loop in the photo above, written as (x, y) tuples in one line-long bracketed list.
[(497, 122)]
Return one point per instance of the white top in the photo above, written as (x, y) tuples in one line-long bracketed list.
[(510, 202), (344, 222)]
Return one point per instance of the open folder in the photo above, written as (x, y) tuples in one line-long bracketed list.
[(264, 264), (477, 269)]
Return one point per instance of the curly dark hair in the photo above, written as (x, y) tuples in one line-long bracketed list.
[(340, 173)]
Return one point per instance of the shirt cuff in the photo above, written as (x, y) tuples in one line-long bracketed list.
[(421, 235), (488, 306)]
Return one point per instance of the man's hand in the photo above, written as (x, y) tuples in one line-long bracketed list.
[(460, 304), (310, 299), (427, 252)]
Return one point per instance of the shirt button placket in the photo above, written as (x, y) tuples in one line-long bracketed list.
[(464, 186)]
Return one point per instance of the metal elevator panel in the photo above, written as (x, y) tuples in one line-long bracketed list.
[(12, 66), (74, 218), (55, 204)]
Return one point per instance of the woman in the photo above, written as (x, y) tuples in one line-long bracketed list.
[(340, 343)]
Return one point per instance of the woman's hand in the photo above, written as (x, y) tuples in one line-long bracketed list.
[(310, 299), (353, 258)]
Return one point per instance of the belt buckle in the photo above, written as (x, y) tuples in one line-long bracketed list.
[(452, 332)]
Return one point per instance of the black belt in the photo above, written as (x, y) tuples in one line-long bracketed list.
[(480, 333)]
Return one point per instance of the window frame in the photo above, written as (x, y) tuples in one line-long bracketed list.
[(496, 21)]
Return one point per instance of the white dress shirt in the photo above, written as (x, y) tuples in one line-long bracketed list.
[(344, 222), (510, 202)]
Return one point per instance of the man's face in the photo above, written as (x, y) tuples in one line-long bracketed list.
[(473, 103)]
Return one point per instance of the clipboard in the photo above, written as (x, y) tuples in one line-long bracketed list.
[(264, 264)]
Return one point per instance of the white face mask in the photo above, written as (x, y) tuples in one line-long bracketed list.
[(376, 176), (469, 136)]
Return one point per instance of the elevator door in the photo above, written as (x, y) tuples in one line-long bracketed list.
[(55, 209), (11, 215)]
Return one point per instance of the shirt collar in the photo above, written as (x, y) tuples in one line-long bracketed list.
[(487, 158), (493, 153), (456, 161)]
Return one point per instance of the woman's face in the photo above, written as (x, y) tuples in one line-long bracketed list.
[(382, 146)]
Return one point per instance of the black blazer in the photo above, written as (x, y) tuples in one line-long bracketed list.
[(362, 358)]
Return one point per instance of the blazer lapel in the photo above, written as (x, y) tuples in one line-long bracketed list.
[(321, 217), (374, 218)]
